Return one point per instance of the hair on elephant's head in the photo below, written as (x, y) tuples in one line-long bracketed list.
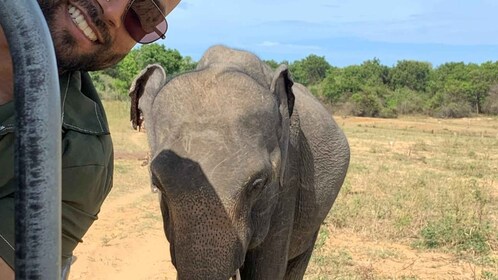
[(219, 143)]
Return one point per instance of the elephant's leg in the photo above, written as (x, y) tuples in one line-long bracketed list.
[(296, 267), (263, 264), (269, 260)]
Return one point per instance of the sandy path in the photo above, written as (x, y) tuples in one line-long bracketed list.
[(127, 242)]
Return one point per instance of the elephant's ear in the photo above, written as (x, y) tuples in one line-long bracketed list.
[(143, 90), (281, 87)]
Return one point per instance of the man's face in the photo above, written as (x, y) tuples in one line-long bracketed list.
[(100, 45)]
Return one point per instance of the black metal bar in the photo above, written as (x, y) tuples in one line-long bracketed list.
[(38, 140)]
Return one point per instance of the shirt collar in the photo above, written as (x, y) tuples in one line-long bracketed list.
[(81, 109)]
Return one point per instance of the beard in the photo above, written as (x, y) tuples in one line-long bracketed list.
[(69, 56)]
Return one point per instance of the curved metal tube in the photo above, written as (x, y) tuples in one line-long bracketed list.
[(38, 140)]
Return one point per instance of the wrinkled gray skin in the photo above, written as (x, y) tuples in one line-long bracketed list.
[(243, 185)]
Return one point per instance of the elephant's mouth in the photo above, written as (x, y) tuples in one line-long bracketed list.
[(236, 276)]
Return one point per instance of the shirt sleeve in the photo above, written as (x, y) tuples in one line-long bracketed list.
[(86, 182)]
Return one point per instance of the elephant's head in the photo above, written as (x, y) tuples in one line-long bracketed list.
[(218, 140)]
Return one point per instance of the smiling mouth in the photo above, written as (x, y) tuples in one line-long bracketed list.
[(80, 22)]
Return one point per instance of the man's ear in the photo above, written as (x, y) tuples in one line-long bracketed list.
[(143, 91)]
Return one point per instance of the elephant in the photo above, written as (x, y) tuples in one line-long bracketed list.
[(247, 162)]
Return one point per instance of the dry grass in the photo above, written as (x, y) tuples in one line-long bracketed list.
[(429, 185)]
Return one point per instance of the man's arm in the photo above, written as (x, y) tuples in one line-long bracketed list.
[(6, 273)]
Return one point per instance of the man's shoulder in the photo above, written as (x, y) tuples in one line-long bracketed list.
[(81, 106)]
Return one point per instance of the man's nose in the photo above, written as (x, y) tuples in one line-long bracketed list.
[(114, 10)]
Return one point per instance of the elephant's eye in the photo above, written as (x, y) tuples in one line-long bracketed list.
[(259, 183)]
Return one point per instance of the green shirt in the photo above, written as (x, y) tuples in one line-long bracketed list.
[(87, 163)]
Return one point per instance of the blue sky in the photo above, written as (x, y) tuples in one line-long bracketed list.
[(345, 32)]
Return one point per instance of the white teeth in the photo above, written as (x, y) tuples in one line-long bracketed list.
[(79, 19), (73, 11), (81, 23), (89, 33)]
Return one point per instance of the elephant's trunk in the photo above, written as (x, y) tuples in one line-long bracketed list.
[(207, 234), (205, 243)]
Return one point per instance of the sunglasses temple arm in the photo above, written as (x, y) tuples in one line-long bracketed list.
[(158, 32)]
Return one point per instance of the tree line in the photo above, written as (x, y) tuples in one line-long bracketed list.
[(450, 90), (114, 82)]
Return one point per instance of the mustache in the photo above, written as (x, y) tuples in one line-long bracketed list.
[(91, 7), (96, 13)]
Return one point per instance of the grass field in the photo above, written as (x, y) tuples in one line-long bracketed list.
[(420, 201), (416, 186)]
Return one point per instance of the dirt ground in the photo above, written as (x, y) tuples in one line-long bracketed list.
[(127, 242), (376, 259)]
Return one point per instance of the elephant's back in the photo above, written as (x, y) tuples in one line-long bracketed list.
[(326, 139), (324, 159)]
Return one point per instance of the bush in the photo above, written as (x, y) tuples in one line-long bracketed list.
[(453, 110), (464, 231), (448, 232), (388, 113), (445, 105), (490, 105), (109, 88), (406, 101), (365, 104)]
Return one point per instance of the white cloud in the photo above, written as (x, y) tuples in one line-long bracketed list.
[(269, 44)]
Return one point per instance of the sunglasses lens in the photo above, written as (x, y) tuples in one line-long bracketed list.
[(134, 27), (159, 32)]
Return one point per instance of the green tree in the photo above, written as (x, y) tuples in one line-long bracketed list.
[(483, 78), (310, 70), (374, 73), (341, 82), (272, 63), (169, 59), (465, 85), (366, 104), (414, 75), (490, 105), (344, 82), (444, 73), (407, 101), (478, 89), (128, 68), (188, 64)]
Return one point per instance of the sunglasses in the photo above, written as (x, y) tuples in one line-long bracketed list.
[(141, 21)]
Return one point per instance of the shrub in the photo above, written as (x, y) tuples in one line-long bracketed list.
[(491, 103), (448, 232), (388, 113), (365, 104), (109, 88), (406, 101), (453, 227), (453, 110)]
